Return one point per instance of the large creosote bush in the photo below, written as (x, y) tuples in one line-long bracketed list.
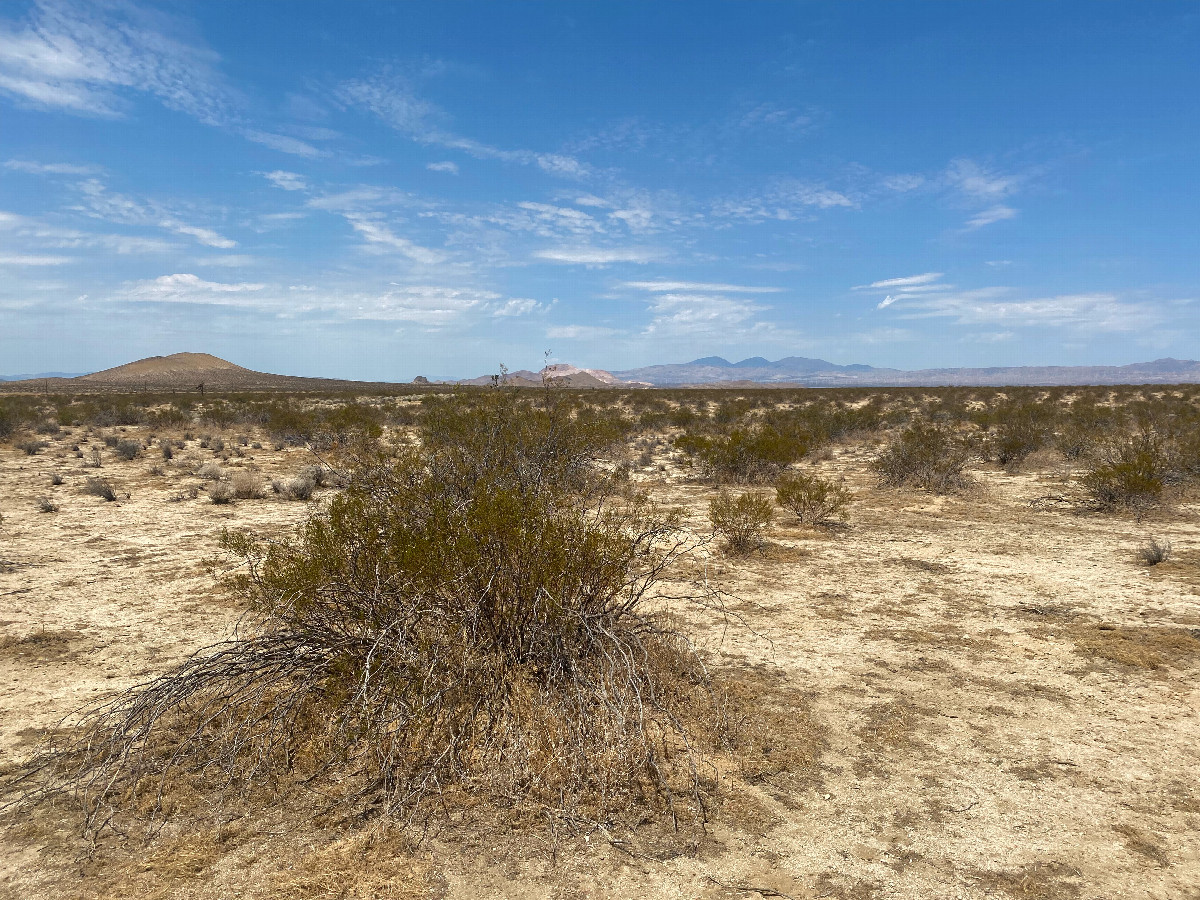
[(466, 622), (926, 456), (1128, 474)]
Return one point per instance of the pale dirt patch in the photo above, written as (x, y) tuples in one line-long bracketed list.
[(975, 697)]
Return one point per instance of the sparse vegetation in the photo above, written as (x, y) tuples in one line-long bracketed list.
[(1154, 552), (930, 457), (100, 487), (741, 520), (810, 498)]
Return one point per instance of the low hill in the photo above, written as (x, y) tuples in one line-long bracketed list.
[(187, 372)]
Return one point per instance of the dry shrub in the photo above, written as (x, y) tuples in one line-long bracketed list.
[(926, 456), (1140, 647), (100, 487), (810, 498), (299, 488), (221, 493), (246, 486), (1154, 552), (741, 520), (464, 624), (212, 471)]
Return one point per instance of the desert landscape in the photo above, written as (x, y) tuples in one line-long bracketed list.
[(962, 669)]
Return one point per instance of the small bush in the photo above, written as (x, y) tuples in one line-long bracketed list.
[(220, 493), (94, 458), (1154, 552), (49, 428), (127, 450), (246, 486), (100, 487), (211, 471), (741, 520), (56, 479), (812, 499), (32, 448), (167, 451), (929, 457), (46, 505)]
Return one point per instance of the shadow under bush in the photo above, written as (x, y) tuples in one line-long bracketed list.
[(466, 623)]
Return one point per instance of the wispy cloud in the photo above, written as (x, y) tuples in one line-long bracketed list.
[(101, 203), (377, 233), (283, 143), (991, 215), (392, 98), (704, 286), (32, 259), (450, 168), (980, 182), (188, 288), (288, 181), (904, 282), (36, 168), (693, 315), (85, 58), (579, 332), (436, 306), (600, 256)]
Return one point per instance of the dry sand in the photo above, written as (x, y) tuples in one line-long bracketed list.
[(1003, 698)]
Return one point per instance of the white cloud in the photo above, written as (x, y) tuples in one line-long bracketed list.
[(600, 256), (999, 306), (886, 302), (288, 181), (677, 286), (232, 261), (283, 143), (187, 288), (36, 168), (450, 168), (377, 233), (978, 182), (360, 198), (79, 58), (33, 259), (517, 307), (428, 305), (906, 281), (903, 183), (690, 314), (206, 236), (579, 332), (989, 216), (393, 99)]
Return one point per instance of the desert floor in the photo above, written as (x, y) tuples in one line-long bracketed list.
[(1000, 699)]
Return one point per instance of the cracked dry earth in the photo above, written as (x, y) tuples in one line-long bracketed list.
[(1003, 700)]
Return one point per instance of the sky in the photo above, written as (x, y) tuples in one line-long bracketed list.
[(378, 190)]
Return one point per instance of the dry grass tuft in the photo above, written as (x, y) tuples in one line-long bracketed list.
[(1035, 881), (1142, 647), (40, 645)]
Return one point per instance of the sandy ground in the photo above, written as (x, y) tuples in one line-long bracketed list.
[(1004, 697)]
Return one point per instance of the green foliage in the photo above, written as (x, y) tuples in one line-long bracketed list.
[(810, 498), (1129, 474), (754, 454), (926, 456), (741, 520), (466, 621)]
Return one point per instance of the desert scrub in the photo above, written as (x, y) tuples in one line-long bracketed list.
[(930, 457), (810, 498), (744, 455), (465, 623), (246, 486), (127, 450), (741, 520), (100, 487), (1128, 474)]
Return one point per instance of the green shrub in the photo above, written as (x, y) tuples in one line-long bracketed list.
[(745, 455), (1128, 474), (929, 457), (32, 448), (127, 450), (741, 520), (811, 498), (466, 622)]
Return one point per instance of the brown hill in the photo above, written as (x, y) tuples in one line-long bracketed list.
[(188, 372)]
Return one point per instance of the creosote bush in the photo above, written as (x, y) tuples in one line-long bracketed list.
[(1154, 552), (930, 457), (810, 498), (1128, 474), (741, 520), (468, 622)]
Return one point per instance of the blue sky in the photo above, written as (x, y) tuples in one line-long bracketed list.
[(380, 190)]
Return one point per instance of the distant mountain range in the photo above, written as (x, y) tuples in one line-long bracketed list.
[(822, 373), (40, 375), (201, 371)]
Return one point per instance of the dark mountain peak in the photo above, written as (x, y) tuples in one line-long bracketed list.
[(712, 361), (754, 362)]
